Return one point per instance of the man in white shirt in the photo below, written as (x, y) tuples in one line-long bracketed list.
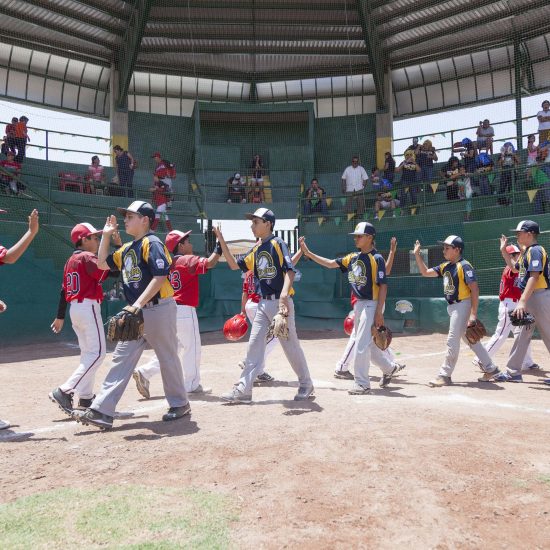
[(485, 134), (544, 122), (354, 180)]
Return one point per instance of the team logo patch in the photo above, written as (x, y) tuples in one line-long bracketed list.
[(381, 274), (160, 263), (357, 275), (470, 273), (535, 263), (403, 306), (265, 266), (448, 284), (131, 273)]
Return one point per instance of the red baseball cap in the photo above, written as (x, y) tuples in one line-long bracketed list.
[(82, 230), (156, 154), (3, 211), (173, 238), (512, 249)]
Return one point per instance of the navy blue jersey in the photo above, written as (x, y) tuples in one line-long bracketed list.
[(366, 272), (269, 261), (456, 278), (140, 261), (533, 259)]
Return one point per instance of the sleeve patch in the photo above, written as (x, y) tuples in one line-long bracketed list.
[(535, 263), (160, 263)]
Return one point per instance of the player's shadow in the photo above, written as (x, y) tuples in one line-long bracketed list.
[(488, 386), (12, 436), (294, 408)]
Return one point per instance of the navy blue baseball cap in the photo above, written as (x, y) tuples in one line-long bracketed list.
[(528, 226), (364, 228), (140, 207), (453, 240), (263, 213)]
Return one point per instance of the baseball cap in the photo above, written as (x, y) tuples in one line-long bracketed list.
[(3, 211), (528, 226), (139, 207), (512, 249), (453, 240), (263, 213), (82, 230), (156, 154), (173, 238), (364, 228), (237, 176)]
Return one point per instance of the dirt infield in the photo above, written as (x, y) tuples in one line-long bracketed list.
[(466, 466)]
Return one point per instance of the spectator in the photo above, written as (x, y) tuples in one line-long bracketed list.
[(385, 201), (451, 175), (95, 175), (426, 157), (9, 181), (10, 135), (485, 134), (484, 166), (354, 180), (532, 150), (256, 195), (375, 177), (409, 169), (257, 170), (236, 189), (125, 166), (164, 172), (389, 167), (507, 162), (469, 155), (315, 199), (21, 138), (544, 122), (465, 190), (414, 146)]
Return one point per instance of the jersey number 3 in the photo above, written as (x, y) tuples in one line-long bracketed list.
[(175, 280), (72, 284)]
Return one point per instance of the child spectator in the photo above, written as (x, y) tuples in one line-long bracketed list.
[(10, 135), (485, 134), (389, 167), (161, 193), (484, 166), (426, 157), (257, 195), (451, 174), (9, 181), (125, 166), (95, 175), (409, 169), (257, 170), (385, 201), (465, 191), (507, 161), (532, 150), (544, 121), (21, 138), (316, 199), (375, 177), (236, 189)]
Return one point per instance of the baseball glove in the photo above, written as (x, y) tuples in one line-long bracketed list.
[(278, 327), (475, 331), (525, 321), (381, 336), (126, 325)]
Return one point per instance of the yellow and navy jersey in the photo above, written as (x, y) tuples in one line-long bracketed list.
[(534, 258), (269, 261), (140, 261), (366, 272), (456, 278)]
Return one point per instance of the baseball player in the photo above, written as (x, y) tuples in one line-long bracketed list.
[(145, 265), (184, 278), (462, 294), (250, 299), (11, 255), (270, 260), (534, 283), (81, 288), (366, 271), (342, 366), (509, 295)]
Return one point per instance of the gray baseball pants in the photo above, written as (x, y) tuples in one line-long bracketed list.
[(255, 353), (459, 314), (160, 333), (539, 306)]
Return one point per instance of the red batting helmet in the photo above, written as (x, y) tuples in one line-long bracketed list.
[(349, 322), (235, 328)]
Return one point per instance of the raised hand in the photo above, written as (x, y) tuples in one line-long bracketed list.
[(503, 242), (33, 222), (393, 244), (417, 247), (111, 226)]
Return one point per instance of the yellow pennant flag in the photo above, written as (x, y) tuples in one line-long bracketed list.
[(320, 220), (531, 194), (329, 202), (381, 214), (413, 211), (434, 186), (351, 215)]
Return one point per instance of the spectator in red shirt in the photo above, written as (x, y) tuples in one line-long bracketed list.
[(10, 135), (21, 138), (96, 174), (162, 190), (9, 180)]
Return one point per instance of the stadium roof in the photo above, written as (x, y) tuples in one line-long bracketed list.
[(261, 41)]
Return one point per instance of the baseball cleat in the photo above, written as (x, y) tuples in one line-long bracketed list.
[(358, 389), (343, 375), (201, 390), (440, 381), (304, 393), (386, 378), (63, 400), (264, 377), (488, 376), (508, 377), (177, 412), (545, 381), (236, 395), (4, 424), (142, 384), (94, 418), (534, 366), (85, 403)]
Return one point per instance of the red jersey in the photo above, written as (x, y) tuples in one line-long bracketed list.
[(3, 252), (82, 278), (508, 288), (164, 170), (10, 130), (160, 194), (250, 286), (10, 166), (184, 278)]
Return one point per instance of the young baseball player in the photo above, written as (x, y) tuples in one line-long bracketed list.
[(11, 255), (462, 294), (378, 356), (534, 283), (270, 260), (184, 278), (509, 295), (250, 299), (81, 288), (145, 265), (366, 271)]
